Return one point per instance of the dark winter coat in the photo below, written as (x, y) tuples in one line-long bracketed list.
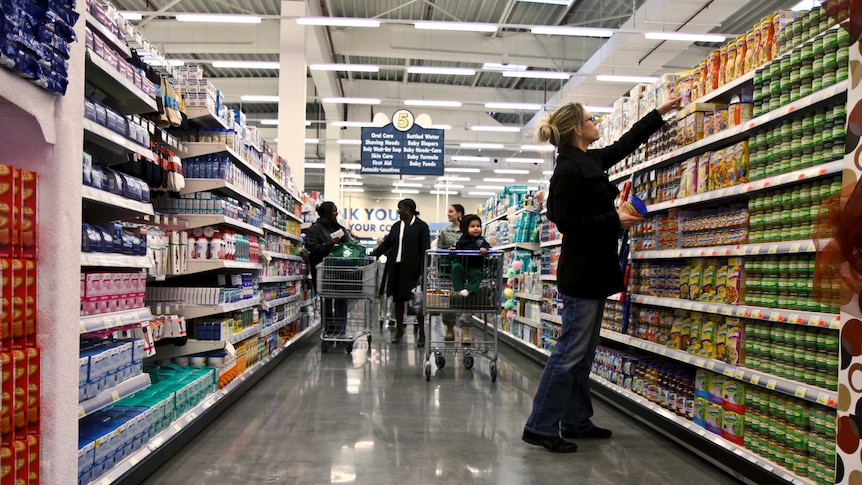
[(581, 204), (417, 240), (318, 242)]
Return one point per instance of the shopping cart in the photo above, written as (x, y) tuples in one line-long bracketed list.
[(413, 307), (441, 298), (347, 290)]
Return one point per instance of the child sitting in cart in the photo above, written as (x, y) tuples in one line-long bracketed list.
[(467, 272)]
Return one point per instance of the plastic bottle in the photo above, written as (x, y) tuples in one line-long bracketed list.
[(201, 245), (191, 252), (217, 246)]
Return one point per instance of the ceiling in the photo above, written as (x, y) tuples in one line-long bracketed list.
[(396, 44)]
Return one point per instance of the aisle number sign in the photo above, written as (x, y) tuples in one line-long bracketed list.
[(402, 147)]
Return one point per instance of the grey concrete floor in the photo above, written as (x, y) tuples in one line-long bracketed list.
[(371, 418)]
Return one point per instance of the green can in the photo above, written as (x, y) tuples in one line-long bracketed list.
[(817, 47), (837, 149), (830, 40), (830, 60), (843, 38), (829, 78), (839, 130)]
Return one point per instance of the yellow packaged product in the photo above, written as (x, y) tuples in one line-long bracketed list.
[(695, 279), (738, 169), (730, 67), (720, 119), (741, 48), (703, 172), (707, 281), (674, 341), (684, 277), (752, 44), (694, 333), (708, 328), (721, 283), (714, 418), (722, 65), (765, 52), (685, 333), (731, 349), (733, 284), (716, 170)]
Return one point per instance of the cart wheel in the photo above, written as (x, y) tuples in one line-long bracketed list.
[(468, 361), (440, 361), (427, 371), (493, 372), (324, 346), (348, 347)]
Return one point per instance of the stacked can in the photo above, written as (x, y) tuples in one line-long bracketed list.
[(612, 319), (789, 214), (786, 282), (791, 432), (806, 355)]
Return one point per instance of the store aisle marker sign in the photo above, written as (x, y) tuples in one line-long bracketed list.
[(402, 147)]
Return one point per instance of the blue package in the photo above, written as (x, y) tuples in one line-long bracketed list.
[(115, 230), (98, 179), (101, 114)]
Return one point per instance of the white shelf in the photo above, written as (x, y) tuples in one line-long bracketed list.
[(269, 228), (615, 297), (749, 376), (247, 333), (202, 265), (199, 149), (280, 279), (266, 305), (527, 321), (113, 394), (509, 214), (274, 255), (198, 311), (108, 260), (550, 244), (281, 324), (114, 141), (167, 221), (797, 176), (552, 318), (191, 347), (31, 99), (515, 340), (528, 296), (786, 247), (204, 117), (211, 185), (113, 200), (548, 277), (518, 245), (130, 98), (727, 136), (115, 42), (694, 429), (103, 321), (284, 188), (282, 209), (793, 317), (203, 220)]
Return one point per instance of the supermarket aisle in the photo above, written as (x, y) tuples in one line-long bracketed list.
[(370, 417)]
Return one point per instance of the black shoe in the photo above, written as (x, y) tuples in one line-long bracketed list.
[(420, 340), (595, 433), (396, 339), (554, 444)]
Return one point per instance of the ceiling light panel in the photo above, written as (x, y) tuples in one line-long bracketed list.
[(338, 22), (626, 79), (443, 192), (244, 64), (218, 18), (515, 106), (499, 180), (449, 71), (345, 67), (352, 124), (405, 191), (346, 141), (456, 26), (406, 184), (312, 141), (570, 31), (351, 100), (684, 36), (500, 129), (538, 148), (538, 74), (441, 127), (351, 166), (525, 160), (433, 103), (314, 165), (352, 189)]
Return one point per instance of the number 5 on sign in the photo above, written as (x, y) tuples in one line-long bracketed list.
[(402, 120)]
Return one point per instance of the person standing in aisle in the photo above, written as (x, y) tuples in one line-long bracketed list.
[(406, 245), (319, 242), (581, 204), (447, 239)]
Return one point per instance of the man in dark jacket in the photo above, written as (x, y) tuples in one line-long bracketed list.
[(406, 245), (581, 204), (319, 242)]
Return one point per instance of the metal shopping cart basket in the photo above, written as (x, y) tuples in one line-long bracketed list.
[(442, 297), (347, 289)]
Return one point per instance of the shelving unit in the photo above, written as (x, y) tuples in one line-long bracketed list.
[(128, 96), (199, 149), (191, 347), (218, 185), (198, 311), (202, 265), (113, 394), (785, 247), (126, 207), (102, 136), (109, 260), (107, 321), (289, 257), (266, 305), (203, 220)]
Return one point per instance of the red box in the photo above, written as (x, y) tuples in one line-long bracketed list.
[(29, 222), (5, 304), (7, 459), (7, 369), (30, 322), (19, 393), (19, 296), (16, 212), (34, 392), (7, 200), (33, 461), (21, 451)]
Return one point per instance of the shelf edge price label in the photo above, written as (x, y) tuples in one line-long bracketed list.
[(115, 396), (794, 248), (727, 311), (81, 412), (823, 398), (728, 372), (712, 309), (814, 320), (755, 379), (775, 317), (754, 250), (771, 384), (772, 249), (740, 374), (835, 324), (794, 318), (710, 365), (800, 391), (699, 362)]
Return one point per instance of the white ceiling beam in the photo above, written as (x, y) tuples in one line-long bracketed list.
[(172, 37)]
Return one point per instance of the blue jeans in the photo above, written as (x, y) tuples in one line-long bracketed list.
[(563, 400)]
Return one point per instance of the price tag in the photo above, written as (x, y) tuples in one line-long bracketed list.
[(193, 415), (794, 318), (728, 372), (835, 324), (108, 321), (740, 374), (800, 391), (768, 468), (106, 481), (134, 460), (712, 309), (156, 443), (774, 316), (754, 250), (115, 396), (759, 315), (701, 432), (755, 379), (771, 383), (794, 248), (727, 311), (699, 362), (814, 320), (772, 249), (743, 311), (823, 398), (177, 427), (686, 359), (81, 412)]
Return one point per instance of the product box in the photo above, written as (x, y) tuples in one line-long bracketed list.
[(700, 407), (695, 278), (736, 164), (8, 223), (714, 418), (734, 278), (19, 297), (674, 340), (733, 345), (28, 222), (19, 391), (702, 178), (5, 304), (30, 320), (716, 388), (707, 281), (733, 426), (7, 390), (708, 329), (684, 278), (717, 167), (733, 397), (694, 346)]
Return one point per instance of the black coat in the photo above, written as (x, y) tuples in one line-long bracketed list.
[(581, 204), (417, 240), (318, 242)]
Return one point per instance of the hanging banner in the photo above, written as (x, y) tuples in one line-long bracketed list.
[(402, 147)]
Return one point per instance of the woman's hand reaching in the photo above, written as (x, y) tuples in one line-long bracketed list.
[(669, 105)]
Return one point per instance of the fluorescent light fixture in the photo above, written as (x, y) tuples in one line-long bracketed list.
[(347, 141), (571, 31), (448, 186), (218, 18), (352, 124), (443, 192), (525, 160), (314, 165), (345, 67), (406, 184), (548, 172), (166, 62), (482, 193), (352, 189), (539, 148), (259, 98), (565, 3), (449, 178), (538, 74), (457, 26), (405, 191), (351, 176), (433, 103), (132, 16), (338, 21), (415, 178), (451, 71), (441, 127), (351, 100), (685, 36), (599, 109), (496, 66), (499, 180), (269, 121), (626, 79), (461, 170), (275, 140), (500, 129), (470, 158), (312, 141), (351, 182), (245, 64), (506, 171), (518, 106), (490, 146), (351, 166), (491, 187)]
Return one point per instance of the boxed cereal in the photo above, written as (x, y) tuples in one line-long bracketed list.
[(707, 281), (28, 215), (694, 346), (714, 418), (733, 396), (716, 387), (736, 163), (700, 406), (685, 333), (721, 282), (694, 279), (716, 170), (684, 278), (733, 285), (703, 172), (674, 340), (708, 328), (8, 224), (733, 345)]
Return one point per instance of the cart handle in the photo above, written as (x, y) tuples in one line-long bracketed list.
[(470, 252)]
